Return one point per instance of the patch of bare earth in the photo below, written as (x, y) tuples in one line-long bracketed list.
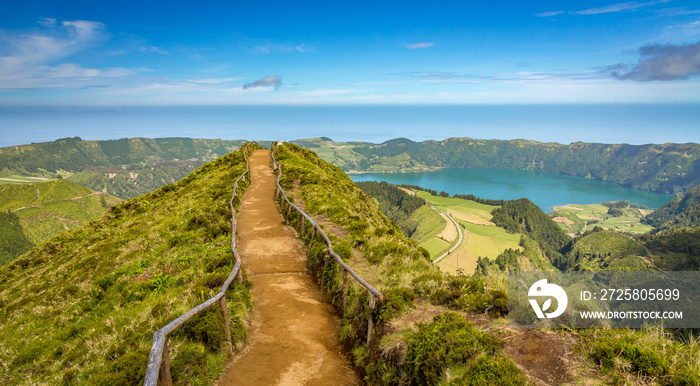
[(450, 232), (545, 358), (563, 220), (570, 207), (471, 218), (460, 260), (410, 192)]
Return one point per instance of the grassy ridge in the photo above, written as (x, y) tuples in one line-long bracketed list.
[(448, 347), (81, 308)]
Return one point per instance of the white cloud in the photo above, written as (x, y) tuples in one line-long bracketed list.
[(33, 60), (414, 46), (619, 7), (47, 21), (548, 14), (153, 50), (268, 81)]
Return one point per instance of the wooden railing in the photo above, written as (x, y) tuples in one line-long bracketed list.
[(158, 370), (347, 271)]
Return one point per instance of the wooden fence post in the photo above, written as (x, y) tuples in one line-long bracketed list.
[(346, 285), (302, 224), (323, 273), (239, 275), (164, 378), (227, 323), (370, 323)]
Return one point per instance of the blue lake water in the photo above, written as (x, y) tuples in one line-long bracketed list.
[(544, 189)]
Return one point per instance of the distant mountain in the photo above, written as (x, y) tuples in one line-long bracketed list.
[(683, 211), (666, 168), (125, 167), (33, 213)]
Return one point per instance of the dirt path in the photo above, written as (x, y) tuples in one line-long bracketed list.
[(294, 334)]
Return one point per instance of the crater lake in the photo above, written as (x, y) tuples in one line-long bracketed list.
[(544, 189)]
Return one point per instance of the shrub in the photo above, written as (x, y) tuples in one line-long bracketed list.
[(490, 370), (450, 340)]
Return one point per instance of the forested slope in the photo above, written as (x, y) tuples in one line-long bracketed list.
[(682, 211)]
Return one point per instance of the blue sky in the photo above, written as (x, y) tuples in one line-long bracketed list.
[(245, 53)]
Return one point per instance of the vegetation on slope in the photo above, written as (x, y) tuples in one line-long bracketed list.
[(576, 218), (81, 308), (47, 208), (133, 180), (683, 211), (600, 249), (674, 250), (524, 217), (666, 168), (395, 203), (139, 165), (13, 241), (362, 236)]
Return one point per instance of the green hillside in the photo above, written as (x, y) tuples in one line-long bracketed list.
[(125, 168), (683, 211), (13, 241), (606, 250), (674, 250), (420, 343), (665, 168), (575, 219), (81, 307), (47, 208), (375, 248), (524, 217), (396, 204)]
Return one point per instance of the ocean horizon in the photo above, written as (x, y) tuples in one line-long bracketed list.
[(632, 124)]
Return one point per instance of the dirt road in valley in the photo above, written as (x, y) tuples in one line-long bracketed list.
[(294, 334)]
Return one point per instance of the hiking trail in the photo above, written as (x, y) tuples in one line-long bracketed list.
[(294, 334)]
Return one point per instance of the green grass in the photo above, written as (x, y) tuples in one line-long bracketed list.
[(13, 179), (652, 356), (483, 240), (82, 307), (48, 208), (436, 246), (607, 250), (629, 222), (376, 248), (430, 224), (488, 241)]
